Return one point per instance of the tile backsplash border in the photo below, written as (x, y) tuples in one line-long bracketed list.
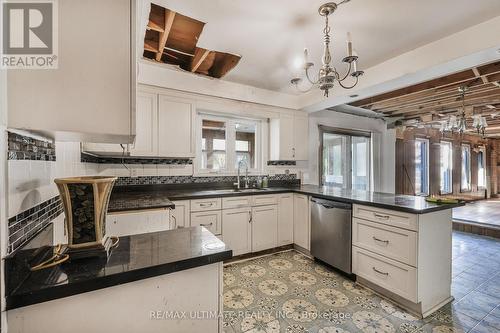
[(163, 180), (27, 224), (21, 147), (89, 158)]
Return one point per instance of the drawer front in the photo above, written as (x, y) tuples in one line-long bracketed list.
[(396, 277), (210, 220), (386, 216), (267, 199), (395, 243), (200, 205), (236, 202)]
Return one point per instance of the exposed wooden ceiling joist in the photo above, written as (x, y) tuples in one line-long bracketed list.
[(431, 101), (169, 21)]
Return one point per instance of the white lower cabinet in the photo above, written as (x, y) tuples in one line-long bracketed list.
[(180, 215), (264, 227), (237, 231), (285, 219), (209, 219), (301, 221), (124, 224)]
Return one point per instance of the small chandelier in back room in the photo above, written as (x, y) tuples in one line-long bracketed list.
[(327, 74)]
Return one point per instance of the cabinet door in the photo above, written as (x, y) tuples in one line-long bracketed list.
[(175, 127), (285, 219), (180, 216), (146, 140), (264, 227), (286, 137), (301, 221), (301, 138), (210, 220), (137, 223), (236, 230)]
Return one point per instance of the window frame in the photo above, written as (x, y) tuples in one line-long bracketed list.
[(441, 191), (230, 121), (482, 150), (427, 166), (462, 165)]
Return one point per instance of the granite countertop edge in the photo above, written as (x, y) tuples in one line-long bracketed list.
[(173, 195)]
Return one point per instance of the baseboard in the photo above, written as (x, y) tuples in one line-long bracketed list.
[(254, 255), (476, 228)]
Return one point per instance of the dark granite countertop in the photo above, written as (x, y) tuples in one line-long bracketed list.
[(145, 197), (130, 201), (136, 257)]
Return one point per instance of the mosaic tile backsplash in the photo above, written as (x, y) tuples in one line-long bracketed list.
[(161, 180), (87, 158), (22, 147), (27, 224)]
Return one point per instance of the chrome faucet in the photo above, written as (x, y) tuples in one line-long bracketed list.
[(238, 182)]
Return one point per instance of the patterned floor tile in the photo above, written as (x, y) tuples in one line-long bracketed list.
[(289, 292)]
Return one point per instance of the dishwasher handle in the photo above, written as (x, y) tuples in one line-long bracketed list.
[(328, 204)]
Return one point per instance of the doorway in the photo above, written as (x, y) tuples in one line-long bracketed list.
[(345, 158)]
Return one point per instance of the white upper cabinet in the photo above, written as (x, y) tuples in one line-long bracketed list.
[(146, 140), (175, 127), (91, 95), (301, 138), (288, 138)]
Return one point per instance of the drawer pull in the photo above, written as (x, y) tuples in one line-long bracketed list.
[(382, 273), (206, 224), (206, 204), (380, 240), (381, 216)]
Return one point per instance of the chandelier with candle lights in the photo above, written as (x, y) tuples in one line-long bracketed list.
[(328, 75), (459, 124)]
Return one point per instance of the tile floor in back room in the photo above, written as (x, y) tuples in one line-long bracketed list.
[(288, 292)]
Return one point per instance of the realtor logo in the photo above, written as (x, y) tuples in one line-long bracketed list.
[(29, 34)]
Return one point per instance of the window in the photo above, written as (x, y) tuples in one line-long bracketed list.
[(465, 184), (446, 167), (421, 167), (481, 169), (345, 160), (224, 142)]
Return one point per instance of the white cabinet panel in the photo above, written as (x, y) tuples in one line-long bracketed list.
[(236, 230), (180, 216), (124, 224), (264, 227), (210, 220), (206, 204), (301, 221), (91, 92), (301, 138), (236, 202), (285, 219), (175, 127), (267, 199), (146, 140), (289, 138)]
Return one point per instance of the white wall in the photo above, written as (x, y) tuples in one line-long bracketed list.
[(383, 163)]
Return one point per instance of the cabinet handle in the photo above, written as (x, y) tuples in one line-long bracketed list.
[(175, 222), (293, 150), (206, 224), (250, 217), (264, 210), (382, 273), (381, 216), (206, 204), (380, 240)]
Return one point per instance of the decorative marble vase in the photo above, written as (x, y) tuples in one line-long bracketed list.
[(85, 201)]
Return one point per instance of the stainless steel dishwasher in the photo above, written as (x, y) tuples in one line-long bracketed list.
[(331, 230)]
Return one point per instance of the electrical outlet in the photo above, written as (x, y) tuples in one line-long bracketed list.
[(133, 173)]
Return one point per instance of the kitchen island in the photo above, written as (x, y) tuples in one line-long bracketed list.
[(145, 285)]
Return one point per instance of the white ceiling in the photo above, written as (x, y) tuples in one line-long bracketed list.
[(270, 34)]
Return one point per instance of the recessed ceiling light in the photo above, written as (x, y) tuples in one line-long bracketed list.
[(354, 96)]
